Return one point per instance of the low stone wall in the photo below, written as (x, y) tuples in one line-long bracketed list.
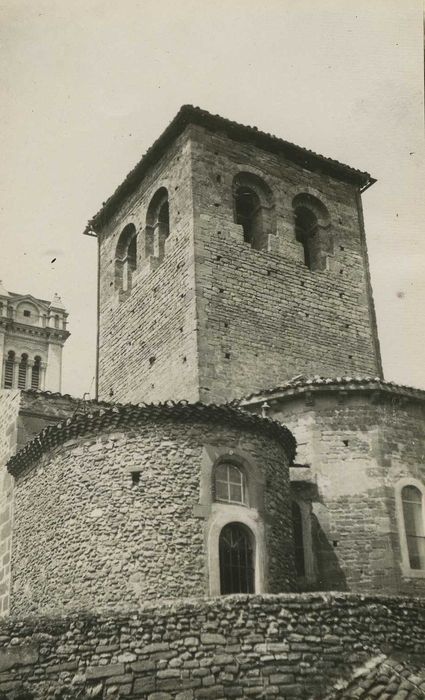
[(274, 646)]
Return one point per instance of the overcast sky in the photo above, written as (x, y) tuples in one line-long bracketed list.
[(86, 86)]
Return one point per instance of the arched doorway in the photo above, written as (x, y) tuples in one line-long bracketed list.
[(236, 559)]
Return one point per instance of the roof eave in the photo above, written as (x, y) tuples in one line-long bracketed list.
[(239, 132)]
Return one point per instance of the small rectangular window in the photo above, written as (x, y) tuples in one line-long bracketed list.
[(27, 313)]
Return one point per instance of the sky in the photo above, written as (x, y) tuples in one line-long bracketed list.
[(86, 86)]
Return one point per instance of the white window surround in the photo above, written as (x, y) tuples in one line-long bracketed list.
[(222, 514), (217, 514), (405, 562)]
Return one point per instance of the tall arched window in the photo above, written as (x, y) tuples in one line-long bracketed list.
[(22, 371), (126, 258), (249, 215), (236, 559), (306, 233), (230, 483), (158, 223), (35, 373), (8, 370), (413, 504), (253, 209), (297, 525), (311, 224)]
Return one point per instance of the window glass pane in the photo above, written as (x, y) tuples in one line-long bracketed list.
[(236, 493), (413, 513), (413, 519), (221, 472), (236, 560), (416, 548), (221, 490), (229, 483), (235, 474), (411, 493)]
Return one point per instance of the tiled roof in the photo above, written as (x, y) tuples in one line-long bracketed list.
[(44, 393), (120, 416), (188, 114), (383, 678), (301, 385)]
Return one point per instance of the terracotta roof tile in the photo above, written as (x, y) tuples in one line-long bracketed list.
[(383, 678), (302, 384), (122, 415)]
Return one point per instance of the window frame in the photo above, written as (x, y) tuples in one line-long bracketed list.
[(243, 483), (404, 550), (249, 541)]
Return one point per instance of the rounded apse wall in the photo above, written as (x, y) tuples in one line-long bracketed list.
[(125, 506)]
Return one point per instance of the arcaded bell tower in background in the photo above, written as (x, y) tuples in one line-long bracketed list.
[(231, 261)]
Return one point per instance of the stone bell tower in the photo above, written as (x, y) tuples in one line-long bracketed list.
[(32, 335), (231, 261)]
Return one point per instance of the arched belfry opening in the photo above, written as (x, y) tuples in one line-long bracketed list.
[(158, 223), (236, 553), (311, 220), (126, 258), (306, 230), (253, 209)]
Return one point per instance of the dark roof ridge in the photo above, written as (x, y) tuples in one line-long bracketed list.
[(118, 415), (189, 114), (301, 384)]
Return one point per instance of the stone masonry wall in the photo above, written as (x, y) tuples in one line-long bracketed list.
[(147, 341), (286, 646), (23, 414), (358, 447), (264, 317), (87, 536)]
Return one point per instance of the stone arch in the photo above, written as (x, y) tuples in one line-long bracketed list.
[(253, 209)]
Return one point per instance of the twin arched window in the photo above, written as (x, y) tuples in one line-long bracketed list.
[(413, 510), (156, 232)]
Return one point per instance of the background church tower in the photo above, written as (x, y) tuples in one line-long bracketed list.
[(231, 261), (32, 336)]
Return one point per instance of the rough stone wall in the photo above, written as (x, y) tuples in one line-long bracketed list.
[(358, 447), (23, 414), (147, 341), (286, 646), (264, 316), (87, 537)]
